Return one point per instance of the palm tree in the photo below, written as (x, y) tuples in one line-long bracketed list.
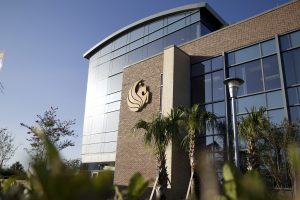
[(252, 128), (159, 133), (195, 121), (275, 151)]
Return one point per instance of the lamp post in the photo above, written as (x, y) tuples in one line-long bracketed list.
[(233, 86)]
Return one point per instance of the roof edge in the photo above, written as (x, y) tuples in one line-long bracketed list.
[(87, 55)]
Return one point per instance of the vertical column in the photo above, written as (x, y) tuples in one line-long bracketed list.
[(282, 79), (176, 92), (227, 109)]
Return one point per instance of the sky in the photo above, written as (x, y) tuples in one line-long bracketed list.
[(44, 41)]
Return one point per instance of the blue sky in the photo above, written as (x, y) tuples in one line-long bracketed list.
[(44, 42)]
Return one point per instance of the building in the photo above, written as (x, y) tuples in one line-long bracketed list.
[(182, 56)]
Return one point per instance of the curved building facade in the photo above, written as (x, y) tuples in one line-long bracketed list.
[(107, 60)]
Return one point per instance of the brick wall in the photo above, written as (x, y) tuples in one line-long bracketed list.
[(132, 156), (261, 27)]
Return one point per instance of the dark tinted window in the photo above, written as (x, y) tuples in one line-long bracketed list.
[(294, 95), (155, 47), (252, 75), (295, 113), (176, 26), (274, 99), (285, 42), (291, 61), (245, 103), (268, 47), (271, 72), (218, 86), (243, 55), (295, 39), (276, 116), (205, 88), (219, 109), (178, 37), (196, 96), (217, 63)]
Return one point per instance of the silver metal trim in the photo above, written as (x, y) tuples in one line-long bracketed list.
[(151, 18)]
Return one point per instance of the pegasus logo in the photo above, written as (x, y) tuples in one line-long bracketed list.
[(138, 96)]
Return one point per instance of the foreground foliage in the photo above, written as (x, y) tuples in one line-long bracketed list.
[(51, 179)]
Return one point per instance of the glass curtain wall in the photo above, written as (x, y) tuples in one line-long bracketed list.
[(259, 66), (290, 48), (105, 77)]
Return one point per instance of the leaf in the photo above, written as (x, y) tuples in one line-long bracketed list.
[(7, 184), (137, 186), (230, 185)]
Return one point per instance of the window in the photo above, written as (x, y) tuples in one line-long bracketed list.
[(195, 17), (201, 68), (122, 41), (252, 75), (178, 37), (117, 65), (271, 73), (290, 40), (294, 95), (244, 55), (217, 63), (115, 83), (174, 18), (274, 99), (137, 55), (205, 88), (219, 109), (155, 26), (112, 121), (291, 61), (268, 47), (245, 103), (295, 113), (136, 34), (155, 47), (276, 116), (135, 44), (101, 72), (176, 26), (218, 86)]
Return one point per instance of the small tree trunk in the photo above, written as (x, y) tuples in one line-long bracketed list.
[(162, 183), (192, 164), (252, 156)]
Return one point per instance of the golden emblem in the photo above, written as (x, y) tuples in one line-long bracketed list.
[(138, 96)]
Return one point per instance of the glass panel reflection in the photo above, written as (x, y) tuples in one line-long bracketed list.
[(115, 83), (218, 85), (243, 55), (295, 113), (274, 99), (295, 39), (217, 63), (276, 116), (252, 75), (291, 61), (244, 104), (219, 109), (205, 89), (271, 72), (268, 47)]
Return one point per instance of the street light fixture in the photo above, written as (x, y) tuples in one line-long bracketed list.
[(233, 86)]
